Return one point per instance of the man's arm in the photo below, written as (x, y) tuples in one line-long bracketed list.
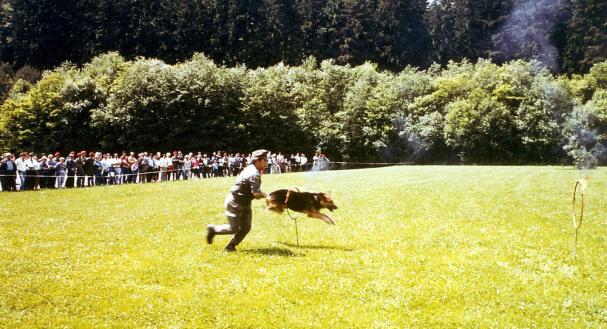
[(256, 187)]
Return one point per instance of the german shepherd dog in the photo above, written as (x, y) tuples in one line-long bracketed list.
[(305, 202)]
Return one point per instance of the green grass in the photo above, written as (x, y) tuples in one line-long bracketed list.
[(413, 247)]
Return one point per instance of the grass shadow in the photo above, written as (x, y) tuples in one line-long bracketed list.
[(304, 246), (284, 252)]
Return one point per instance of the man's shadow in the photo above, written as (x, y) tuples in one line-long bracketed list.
[(273, 251), (304, 246)]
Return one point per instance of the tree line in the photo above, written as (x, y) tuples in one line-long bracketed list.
[(464, 112), (567, 35)]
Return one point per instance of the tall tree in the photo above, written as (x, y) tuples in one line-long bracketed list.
[(463, 28), (402, 36), (527, 32), (358, 30), (587, 35), (45, 32), (6, 12)]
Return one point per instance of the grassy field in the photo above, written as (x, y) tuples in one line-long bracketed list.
[(413, 247)]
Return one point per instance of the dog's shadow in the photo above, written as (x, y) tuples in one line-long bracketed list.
[(273, 251), (304, 246)]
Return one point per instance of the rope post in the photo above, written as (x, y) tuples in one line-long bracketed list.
[(296, 233), (578, 223), (293, 218)]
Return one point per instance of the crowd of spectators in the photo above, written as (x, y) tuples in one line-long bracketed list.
[(30, 171)]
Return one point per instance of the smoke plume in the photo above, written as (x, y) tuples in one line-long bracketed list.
[(526, 33)]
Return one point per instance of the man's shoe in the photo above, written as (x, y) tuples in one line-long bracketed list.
[(210, 234), (230, 248)]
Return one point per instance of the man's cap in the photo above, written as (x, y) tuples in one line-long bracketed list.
[(259, 154)]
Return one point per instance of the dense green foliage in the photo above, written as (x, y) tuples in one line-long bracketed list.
[(567, 35), (473, 112), (256, 33), (414, 246), (295, 75)]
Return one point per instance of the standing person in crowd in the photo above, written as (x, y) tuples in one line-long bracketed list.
[(98, 169), (215, 168), (270, 164), (280, 161), (21, 169), (295, 161), (166, 163), (303, 162), (52, 161), (237, 164), (36, 172), (61, 171), (186, 167), (206, 166), (133, 164), (30, 173), (324, 162), (172, 162), (219, 166), (315, 162), (275, 166), (230, 161), (89, 169), (238, 202), (8, 173), (106, 163), (125, 168), (195, 166), (44, 171), (116, 165), (154, 167), (226, 165), (80, 169), (70, 164), (143, 162), (179, 166), (174, 167), (287, 164)]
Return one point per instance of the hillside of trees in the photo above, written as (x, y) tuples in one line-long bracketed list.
[(513, 113), (473, 81), (567, 35)]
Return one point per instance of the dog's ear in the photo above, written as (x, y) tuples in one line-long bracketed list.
[(326, 197)]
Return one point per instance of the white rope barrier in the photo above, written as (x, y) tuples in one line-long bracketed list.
[(323, 165), (118, 177), (104, 175), (372, 163)]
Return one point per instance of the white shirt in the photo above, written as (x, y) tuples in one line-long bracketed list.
[(114, 162), (31, 164), (164, 162), (20, 163), (106, 164)]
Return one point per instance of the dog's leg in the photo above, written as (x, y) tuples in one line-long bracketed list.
[(322, 217), (272, 206)]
